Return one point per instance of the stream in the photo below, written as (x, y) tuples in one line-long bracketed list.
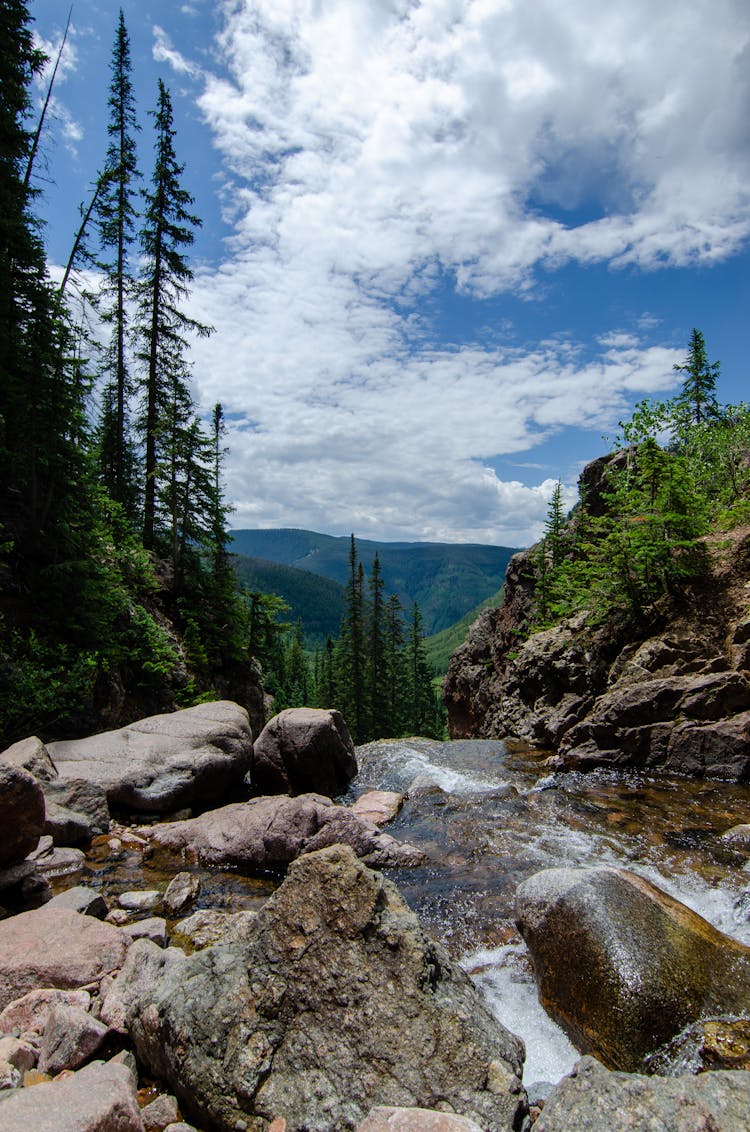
[(489, 815)]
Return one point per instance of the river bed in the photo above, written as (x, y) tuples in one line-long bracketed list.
[(489, 815)]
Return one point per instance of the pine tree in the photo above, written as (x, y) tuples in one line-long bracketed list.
[(421, 698), (162, 324), (697, 398), (395, 667), (376, 657), (117, 215), (351, 656)]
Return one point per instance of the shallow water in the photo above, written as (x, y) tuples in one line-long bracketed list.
[(501, 817), (489, 815)]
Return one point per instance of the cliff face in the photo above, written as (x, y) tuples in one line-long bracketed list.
[(676, 700)]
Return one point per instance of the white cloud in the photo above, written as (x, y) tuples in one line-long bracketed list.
[(374, 146)]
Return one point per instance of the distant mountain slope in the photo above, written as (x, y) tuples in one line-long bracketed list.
[(440, 646), (317, 602), (446, 579)]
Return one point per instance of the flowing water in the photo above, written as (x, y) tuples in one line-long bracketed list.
[(488, 815)]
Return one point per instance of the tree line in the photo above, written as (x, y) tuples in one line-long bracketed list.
[(113, 523), (376, 672), (679, 469)]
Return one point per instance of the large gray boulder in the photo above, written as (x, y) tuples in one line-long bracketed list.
[(622, 966), (592, 1099), (55, 947), (267, 833), (193, 757), (304, 750), (99, 1098), (21, 813), (337, 1002)]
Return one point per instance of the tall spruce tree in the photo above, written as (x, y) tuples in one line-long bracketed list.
[(697, 398), (162, 323), (117, 215), (376, 656)]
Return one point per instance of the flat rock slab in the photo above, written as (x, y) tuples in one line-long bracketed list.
[(336, 1003), (191, 757), (592, 1099), (98, 1098), (55, 947), (271, 832), (378, 806)]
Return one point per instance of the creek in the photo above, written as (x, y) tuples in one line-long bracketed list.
[(488, 815)]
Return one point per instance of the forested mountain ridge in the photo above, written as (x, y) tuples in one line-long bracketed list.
[(445, 579), (624, 635)]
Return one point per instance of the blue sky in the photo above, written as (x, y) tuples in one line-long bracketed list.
[(447, 244)]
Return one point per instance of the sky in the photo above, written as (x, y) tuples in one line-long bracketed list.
[(447, 245)]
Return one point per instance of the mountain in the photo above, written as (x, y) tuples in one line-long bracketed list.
[(440, 646), (317, 602), (447, 580)]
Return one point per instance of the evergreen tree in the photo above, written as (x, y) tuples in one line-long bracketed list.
[(697, 398), (421, 700), (117, 215), (376, 656), (162, 324), (395, 668), (351, 651)]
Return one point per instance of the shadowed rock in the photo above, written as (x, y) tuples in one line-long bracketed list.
[(21, 813), (304, 750), (337, 1002), (622, 966)]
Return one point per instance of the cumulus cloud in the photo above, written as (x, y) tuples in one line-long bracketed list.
[(375, 151)]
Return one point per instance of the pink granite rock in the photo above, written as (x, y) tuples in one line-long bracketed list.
[(98, 1098)]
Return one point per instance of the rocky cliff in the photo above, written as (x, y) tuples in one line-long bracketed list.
[(674, 697)]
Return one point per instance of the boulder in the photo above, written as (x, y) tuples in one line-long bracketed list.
[(81, 899), (32, 755), (592, 1099), (336, 1003), (76, 810), (208, 926), (622, 966), (55, 947), (21, 813), (710, 1043), (267, 833), (303, 750), (378, 806), (193, 757), (161, 1112), (71, 1037), (153, 928), (30, 1012), (98, 1098), (182, 890)]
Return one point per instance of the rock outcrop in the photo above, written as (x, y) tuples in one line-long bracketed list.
[(677, 700), (623, 967), (195, 757), (268, 833), (592, 1099), (302, 750), (336, 1003)]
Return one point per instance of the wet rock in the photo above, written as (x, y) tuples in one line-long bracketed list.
[(378, 806), (592, 1099), (711, 1043), (139, 901), (61, 862), (71, 1037), (335, 1004), (385, 1119), (207, 926), (304, 750), (98, 1098), (181, 891), (271, 832), (623, 967), (738, 837), (154, 928), (190, 757), (55, 947), (81, 899), (30, 1012), (21, 813)]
